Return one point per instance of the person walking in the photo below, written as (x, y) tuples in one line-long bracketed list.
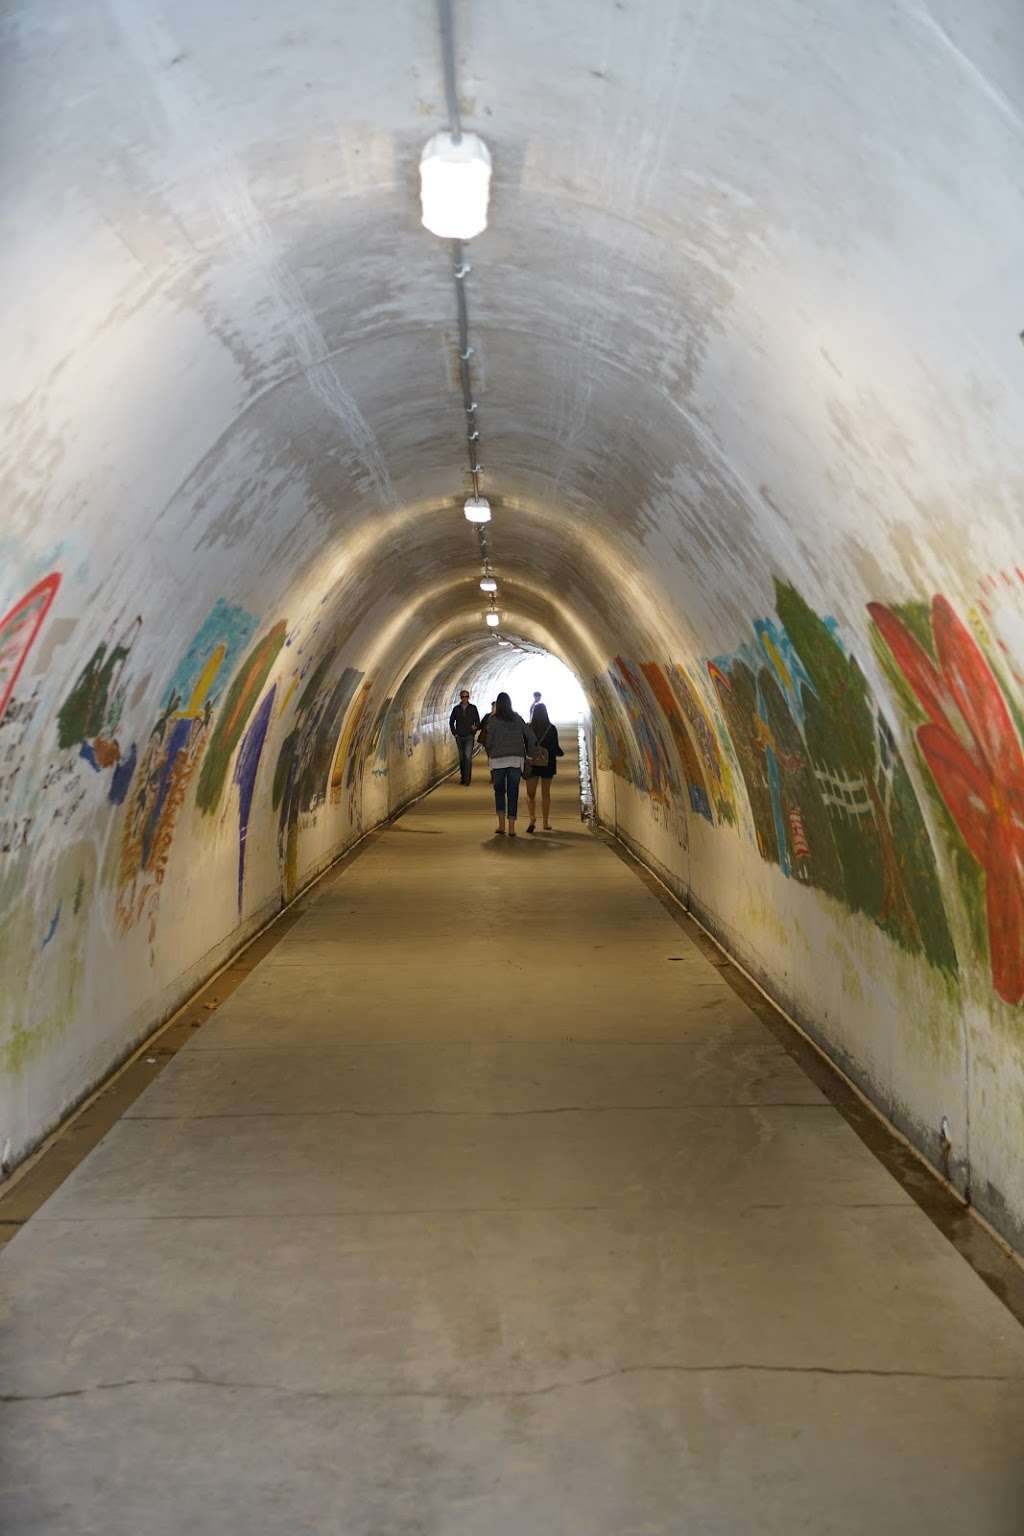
[(547, 737), (464, 722), (484, 723), (510, 741), (533, 706)]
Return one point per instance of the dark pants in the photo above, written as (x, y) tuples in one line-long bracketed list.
[(506, 787), (465, 757)]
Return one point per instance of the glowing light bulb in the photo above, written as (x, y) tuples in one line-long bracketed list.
[(455, 184), (488, 584), (477, 509), (492, 619)]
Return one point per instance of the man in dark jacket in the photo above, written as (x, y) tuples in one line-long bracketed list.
[(464, 721)]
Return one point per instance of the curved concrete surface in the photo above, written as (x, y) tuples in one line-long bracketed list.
[(749, 385), (484, 1204)]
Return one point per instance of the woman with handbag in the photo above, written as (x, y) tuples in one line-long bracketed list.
[(510, 742), (541, 769)]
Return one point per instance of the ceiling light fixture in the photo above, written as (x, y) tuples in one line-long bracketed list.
[(455, 184), (492, 618), (477, 509), (488, 584)]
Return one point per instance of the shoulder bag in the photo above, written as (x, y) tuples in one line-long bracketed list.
[(539, 757)]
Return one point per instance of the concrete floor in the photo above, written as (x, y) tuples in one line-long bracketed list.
[(484, 1205)]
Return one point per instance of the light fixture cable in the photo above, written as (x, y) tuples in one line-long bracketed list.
[(451, 95), (461, 270)]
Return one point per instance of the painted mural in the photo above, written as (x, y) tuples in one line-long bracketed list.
[(832, 802), (398, 728), (172, 753), (303, 768), (18, 630), (971, 742), (90, 716), (377, 742), (239, 704), (246, 768), (707, 772), (640, 754), (348, 752)]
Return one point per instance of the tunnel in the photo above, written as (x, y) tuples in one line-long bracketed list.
[(722, 400)]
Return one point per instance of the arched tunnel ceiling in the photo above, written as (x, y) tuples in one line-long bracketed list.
[(735, 314), (745, 323)]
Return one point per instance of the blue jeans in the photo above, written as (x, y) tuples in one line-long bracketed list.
[(465, 744), (506, 787)]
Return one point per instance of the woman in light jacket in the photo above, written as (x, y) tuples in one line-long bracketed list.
[(547, 737), (510, 741)]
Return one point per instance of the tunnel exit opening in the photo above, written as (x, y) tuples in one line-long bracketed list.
[(540, 672), (524, 672)]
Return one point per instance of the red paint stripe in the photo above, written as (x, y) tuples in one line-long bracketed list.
[(29, 611)]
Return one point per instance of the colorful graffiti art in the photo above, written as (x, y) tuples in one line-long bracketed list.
[(832, 802), (18, 630), (402, 727), (302, 772), (344, 766), (231, 721), (972, 747), (645, 755), (377, 742), (246, 766), (696, 781), (90, 716), (717, 770), (176, 744)]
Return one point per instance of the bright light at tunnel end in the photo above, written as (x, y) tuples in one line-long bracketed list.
[(522, 675), (455, 184)]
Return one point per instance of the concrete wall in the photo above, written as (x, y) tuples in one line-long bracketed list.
[(811, 815), (750, 392), (162, 805)]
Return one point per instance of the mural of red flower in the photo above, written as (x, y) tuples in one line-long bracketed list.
[(974, 752)]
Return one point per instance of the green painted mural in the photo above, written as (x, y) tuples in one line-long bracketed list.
[(178, 740), (238, 706), (832, 802)]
